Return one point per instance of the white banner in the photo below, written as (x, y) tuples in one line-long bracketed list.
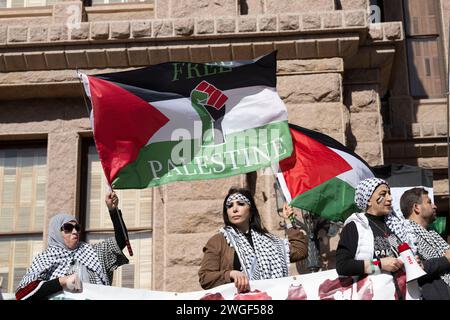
[(326, 285)]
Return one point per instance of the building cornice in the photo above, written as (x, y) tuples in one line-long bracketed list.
[(136, 43)]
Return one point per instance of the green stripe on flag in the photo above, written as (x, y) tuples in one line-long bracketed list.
[(334, 199), (243, 152)]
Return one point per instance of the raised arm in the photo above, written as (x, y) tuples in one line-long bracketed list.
[(298, 243), (112, 202)]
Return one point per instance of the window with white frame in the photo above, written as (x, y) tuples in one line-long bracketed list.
[(25, 3), (95, 2), (37, 3), (23, 179)]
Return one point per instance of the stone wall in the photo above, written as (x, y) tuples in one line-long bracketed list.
[(417, 135), (312, 92), (202, 8), (352, 4), (445, 11), (365, 130)]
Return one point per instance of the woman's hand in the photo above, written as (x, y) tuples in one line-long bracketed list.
[(391, 264), (287, 211), (111, 200), (240, 281), (71, 283)]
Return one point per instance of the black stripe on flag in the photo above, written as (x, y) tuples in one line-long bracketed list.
[(402, 175), (149, 95), (178, 79), (327, 141)]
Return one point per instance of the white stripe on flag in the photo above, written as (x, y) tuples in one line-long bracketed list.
[(252, 107), (359, 170), (181, 116), (246, 108)]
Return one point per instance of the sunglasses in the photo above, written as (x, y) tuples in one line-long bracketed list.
[(68, 227)]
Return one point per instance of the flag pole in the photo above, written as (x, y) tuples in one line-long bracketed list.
[(79, 75), (122, 226), (127, 240), (281, 186), (122, 223), (307, 225)]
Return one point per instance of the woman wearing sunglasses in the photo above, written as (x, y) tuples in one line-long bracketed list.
[(244, 250), (67, 262)]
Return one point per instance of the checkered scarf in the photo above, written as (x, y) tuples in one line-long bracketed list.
[(430, 245), (364, 191), (267, 259), (58, 261), (239, 197), (401, 227)]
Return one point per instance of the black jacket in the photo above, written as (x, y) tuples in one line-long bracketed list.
[(433, 287)]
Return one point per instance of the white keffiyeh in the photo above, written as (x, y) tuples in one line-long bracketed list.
[(267, 259)]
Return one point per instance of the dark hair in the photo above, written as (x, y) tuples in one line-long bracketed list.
[(409, 198), (255, 218)]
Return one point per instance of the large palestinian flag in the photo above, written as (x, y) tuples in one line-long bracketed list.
[(188, 121), (321, 175)]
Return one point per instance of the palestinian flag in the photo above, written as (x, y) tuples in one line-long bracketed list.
[(321, 175), (188, 121)]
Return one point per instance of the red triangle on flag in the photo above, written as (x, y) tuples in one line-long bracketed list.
[(310, 164), (123, 124)]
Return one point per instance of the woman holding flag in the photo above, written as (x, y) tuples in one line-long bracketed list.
[(67, 262), (244, 250)]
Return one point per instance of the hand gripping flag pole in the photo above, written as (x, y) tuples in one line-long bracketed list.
[(309, 224), (84, 82), (122, 226), (125, 234), (284, 192)]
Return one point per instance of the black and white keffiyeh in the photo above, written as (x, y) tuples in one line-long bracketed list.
[(57, 262), (94, 262), (364, 191), (401, 227), (267, 259), (239, 197), (430, 245)]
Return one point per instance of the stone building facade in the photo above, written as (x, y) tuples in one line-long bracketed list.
[(344, 69)]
